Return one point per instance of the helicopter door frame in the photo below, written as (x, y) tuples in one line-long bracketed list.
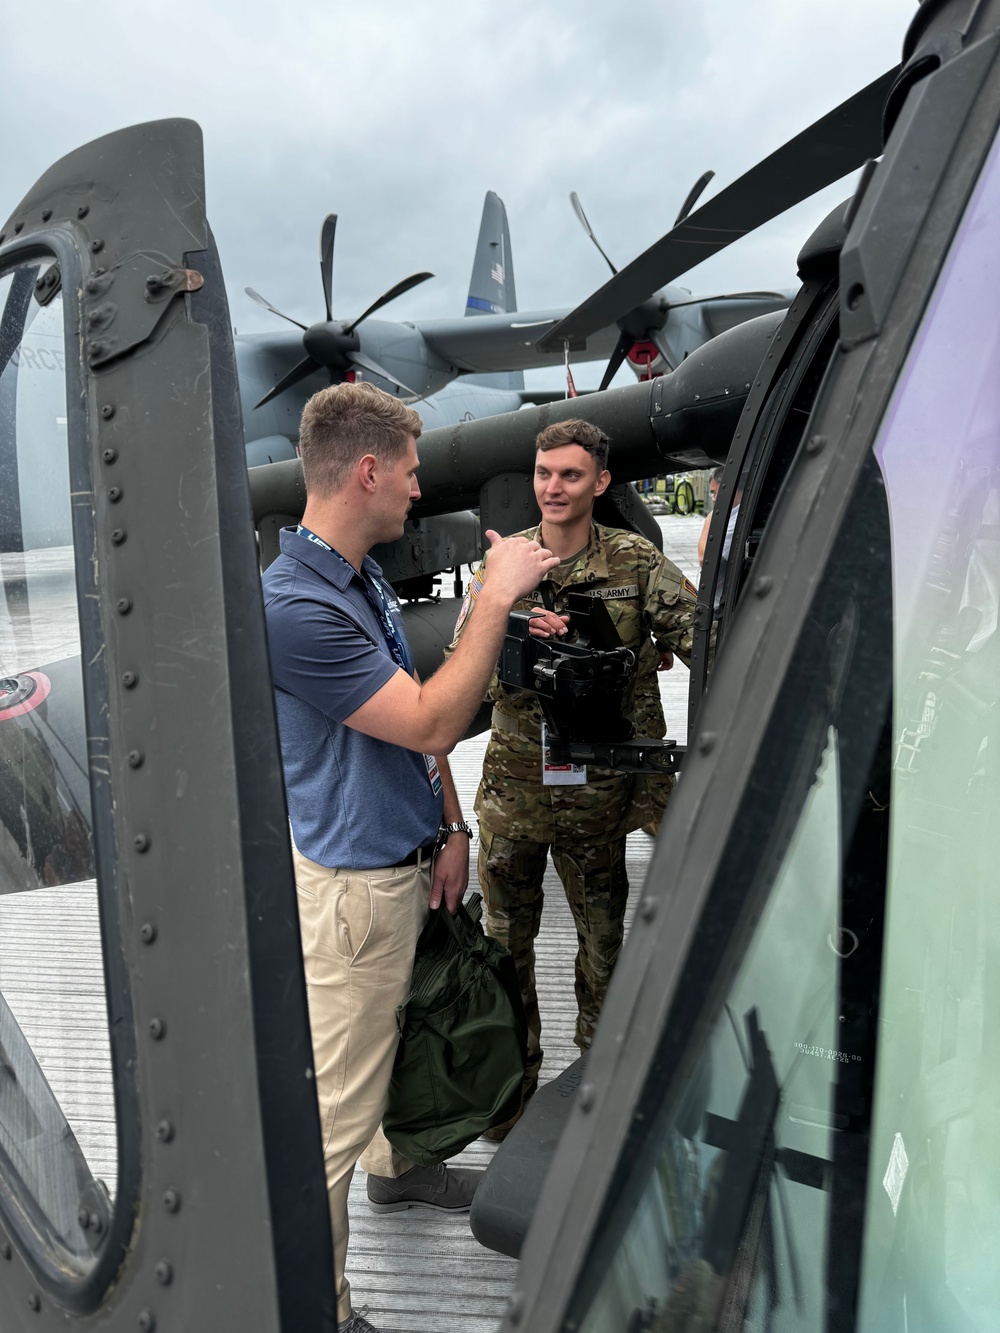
[(221, 1217)]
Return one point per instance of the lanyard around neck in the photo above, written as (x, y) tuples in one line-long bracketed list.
[(377, 600)]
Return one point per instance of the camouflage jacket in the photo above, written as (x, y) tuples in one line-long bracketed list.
[(652, 606)]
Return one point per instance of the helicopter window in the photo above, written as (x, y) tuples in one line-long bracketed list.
[(777, 437), (775, 455), (58, 1141), (934, 1187), (731, 1206)]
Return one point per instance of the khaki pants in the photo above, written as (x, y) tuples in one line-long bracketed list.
[(359, 934)]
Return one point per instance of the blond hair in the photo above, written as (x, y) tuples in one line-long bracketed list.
[(343, 423)]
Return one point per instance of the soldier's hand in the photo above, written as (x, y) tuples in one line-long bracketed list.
[(516, 565), (666, 661), (547, 625)]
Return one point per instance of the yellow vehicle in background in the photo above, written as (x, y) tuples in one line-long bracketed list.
[(677, 493)]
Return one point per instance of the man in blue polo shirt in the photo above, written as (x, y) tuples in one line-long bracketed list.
[(363, 744)]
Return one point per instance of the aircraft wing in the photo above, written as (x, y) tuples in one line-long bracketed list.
[(508, 342)]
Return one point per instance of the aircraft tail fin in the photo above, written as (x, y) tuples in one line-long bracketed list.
[(491, 291)]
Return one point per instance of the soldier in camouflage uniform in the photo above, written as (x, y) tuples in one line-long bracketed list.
[(521, 818)]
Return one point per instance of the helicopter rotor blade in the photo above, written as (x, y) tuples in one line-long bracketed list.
[(300, 372), (730, 296), (829, 149), (256, 296), (574, 199), (694, 194), (367, 363), (617, 357), (413, 280), (326, 261)]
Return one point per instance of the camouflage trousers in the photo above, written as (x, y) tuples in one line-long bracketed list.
[(596, 887)]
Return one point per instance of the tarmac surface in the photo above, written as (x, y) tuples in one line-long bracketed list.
[(417, 1271)]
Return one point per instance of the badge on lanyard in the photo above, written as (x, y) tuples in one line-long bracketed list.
[(560, 775), (433, 774)]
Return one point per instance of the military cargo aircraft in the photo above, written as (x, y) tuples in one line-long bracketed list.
[(275, 379), (461, 369), (788, 1117)]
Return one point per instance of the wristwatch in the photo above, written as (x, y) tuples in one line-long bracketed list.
[(446, 830)]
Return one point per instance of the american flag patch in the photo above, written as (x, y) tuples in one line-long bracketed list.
[(473, 591), (689, 587)]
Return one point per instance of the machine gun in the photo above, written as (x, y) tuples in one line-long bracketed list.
[(581, 688)]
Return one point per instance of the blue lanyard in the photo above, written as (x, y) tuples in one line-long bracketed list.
[(377, 599)]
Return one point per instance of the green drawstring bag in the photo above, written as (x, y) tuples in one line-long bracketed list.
[(462, 1040)]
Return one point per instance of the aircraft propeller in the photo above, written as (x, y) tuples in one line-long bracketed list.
[(642, 328), (829, 149), (331, 343), (694, 194)]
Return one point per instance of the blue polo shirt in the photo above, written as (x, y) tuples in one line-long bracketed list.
[(354, 801)]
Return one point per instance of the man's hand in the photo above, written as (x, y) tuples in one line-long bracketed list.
[(451, 873), (547, 625), (516, 566), (433, 717)]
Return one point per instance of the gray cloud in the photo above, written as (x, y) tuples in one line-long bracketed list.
[(400, 116)]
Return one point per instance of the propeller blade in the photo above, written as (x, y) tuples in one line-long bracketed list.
[(617, 357), (831, 147), (256, 296), (326, 261), (367, 363), (694, 195), (300, 372), (660, 343), (574, 199), (413, 280)]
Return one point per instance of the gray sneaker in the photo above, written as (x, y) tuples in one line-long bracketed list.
[(448, 1189), (358, 1323)]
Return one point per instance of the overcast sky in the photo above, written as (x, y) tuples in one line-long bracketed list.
[(399, 115)]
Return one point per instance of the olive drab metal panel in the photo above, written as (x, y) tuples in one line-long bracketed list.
[(160, 1161)]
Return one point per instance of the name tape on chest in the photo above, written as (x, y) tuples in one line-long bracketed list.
[(624, 594), (611, 594)]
